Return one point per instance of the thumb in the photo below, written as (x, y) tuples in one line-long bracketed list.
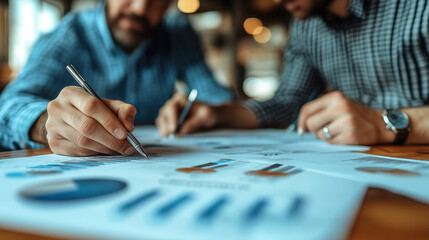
[(125, 112)]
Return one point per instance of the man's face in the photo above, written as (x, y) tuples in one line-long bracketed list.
[(303, 9), (132, 21)]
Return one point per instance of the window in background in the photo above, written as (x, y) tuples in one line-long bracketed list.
[(29, 19), (3, 31)]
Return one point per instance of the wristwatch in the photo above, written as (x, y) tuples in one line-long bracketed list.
[(398, 122)]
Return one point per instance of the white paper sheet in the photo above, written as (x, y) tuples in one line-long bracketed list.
[(251, 180), (403, 176)]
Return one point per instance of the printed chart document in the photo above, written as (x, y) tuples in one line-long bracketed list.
[(403, 176), (223, 184)]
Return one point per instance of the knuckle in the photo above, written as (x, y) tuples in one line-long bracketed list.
[(49, 125), (337, 94), (82, 141), (90, 106), (109, 122), (53, 106), (53, 143), (116, 145), (344, 107), (66, 91), (88, 127)]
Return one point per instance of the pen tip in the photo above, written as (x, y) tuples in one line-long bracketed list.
[(140, 150)]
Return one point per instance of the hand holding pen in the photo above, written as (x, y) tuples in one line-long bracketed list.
[(191, 98), (129, 136), (183, 115), (79, 124)]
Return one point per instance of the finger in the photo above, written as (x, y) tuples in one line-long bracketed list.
[(125, 112), (315, 106), (321, 134), (191, 125), (96, 109), (65, 147), (172, 110), (307, 111), (92, 129), (69, 133), (318, 120), (161, 124), (336, 128)]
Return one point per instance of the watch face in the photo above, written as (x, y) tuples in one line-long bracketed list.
[(398, 119)]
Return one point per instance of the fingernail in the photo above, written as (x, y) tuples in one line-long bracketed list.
[(300, 131), (130, 151), (119, 133)]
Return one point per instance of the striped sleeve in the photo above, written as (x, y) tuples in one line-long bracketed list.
[(298, 81)]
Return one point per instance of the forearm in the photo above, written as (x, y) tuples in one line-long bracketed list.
[(419, 125), (234, 115), (38, 130)]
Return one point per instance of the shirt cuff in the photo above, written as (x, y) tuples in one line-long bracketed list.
[(258, 108), (25, 119)]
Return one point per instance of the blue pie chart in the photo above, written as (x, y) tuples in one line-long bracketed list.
[(72, 190)]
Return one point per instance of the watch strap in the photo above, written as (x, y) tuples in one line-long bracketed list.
[(401, 136)]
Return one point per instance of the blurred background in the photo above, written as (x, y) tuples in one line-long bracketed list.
[(243, 39)]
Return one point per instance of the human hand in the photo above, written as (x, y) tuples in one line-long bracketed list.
[(348, 122), (79, 124), (201, 116)]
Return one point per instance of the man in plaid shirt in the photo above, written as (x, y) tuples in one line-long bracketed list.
[(374, 54)]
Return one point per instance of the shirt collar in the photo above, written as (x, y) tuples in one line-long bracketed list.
[(356, 8), (106, 36)]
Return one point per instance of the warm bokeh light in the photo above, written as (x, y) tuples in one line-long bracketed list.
[(262, 34), (188, 6), (251, 24)]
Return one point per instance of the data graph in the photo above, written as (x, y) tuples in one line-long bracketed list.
[(275, 170), (72, 190), (210, 167)]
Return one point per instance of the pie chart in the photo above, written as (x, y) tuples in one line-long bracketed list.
[(72, 190)]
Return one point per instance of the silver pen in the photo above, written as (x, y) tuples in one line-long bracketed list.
[(191, 98), (79, 79)]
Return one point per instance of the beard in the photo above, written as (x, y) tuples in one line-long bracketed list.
[(130, 39), (320, 7)]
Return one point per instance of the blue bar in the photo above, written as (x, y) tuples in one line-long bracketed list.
[(213, 209), (256, 210), (170, 207), (295, 207), (139, 200)]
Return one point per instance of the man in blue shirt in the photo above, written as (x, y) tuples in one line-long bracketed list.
[(126, 50)]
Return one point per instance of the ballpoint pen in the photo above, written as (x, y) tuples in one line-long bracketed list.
[(191, 98), (79, 79)]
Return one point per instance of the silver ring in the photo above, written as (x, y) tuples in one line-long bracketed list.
[(326, 132)]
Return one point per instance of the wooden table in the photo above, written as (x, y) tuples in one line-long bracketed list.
[(383, 215)]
